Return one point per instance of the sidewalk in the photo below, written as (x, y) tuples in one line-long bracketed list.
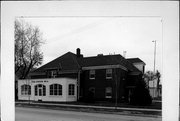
[(91, 108)]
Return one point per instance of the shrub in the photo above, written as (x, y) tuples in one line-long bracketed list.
[(141, 95)]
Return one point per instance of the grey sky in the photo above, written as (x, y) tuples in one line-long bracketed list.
[(95, 35)]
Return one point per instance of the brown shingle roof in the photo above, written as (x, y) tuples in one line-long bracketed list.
[(65, 62)]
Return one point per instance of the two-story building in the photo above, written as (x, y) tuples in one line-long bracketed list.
[(72, 77)]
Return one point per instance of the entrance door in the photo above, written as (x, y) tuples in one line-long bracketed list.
[(40, 90)]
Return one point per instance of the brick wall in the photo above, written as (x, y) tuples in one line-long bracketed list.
[(100, 83)]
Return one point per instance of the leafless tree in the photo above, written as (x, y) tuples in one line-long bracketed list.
[(28, 40), (149, 76)]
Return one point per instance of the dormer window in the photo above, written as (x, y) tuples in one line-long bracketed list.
[(92, 74), (108, 73), (52, 73)]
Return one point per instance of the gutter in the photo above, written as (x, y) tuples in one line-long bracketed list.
[(105, 67)]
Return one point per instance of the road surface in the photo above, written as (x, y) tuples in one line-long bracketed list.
[(34, 114)]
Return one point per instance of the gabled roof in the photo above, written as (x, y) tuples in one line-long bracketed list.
[(65, 62), (135, 60)]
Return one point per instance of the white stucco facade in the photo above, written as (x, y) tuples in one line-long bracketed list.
[(64, 82)]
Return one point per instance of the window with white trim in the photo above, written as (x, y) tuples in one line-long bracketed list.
[(71, 89), (92, 74), (108, 92), (25, 89), (108, 73), (55, 89)]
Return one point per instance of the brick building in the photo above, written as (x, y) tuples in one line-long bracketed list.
[(72, 77)]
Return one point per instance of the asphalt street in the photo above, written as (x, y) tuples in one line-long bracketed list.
[(35, 114)]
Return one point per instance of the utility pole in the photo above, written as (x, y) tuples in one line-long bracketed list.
[(154, 53), (154, 64)]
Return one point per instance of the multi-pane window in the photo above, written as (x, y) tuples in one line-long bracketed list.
[(92, 74), (71, 89), (108, 73), (25, 89), (40, 90), (55, 89), (108, 92)]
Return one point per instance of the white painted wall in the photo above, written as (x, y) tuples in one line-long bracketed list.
[(153, 88), (63, 81), (153, 83)]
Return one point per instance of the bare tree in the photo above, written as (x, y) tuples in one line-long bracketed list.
[(149, 76), (28, 39)]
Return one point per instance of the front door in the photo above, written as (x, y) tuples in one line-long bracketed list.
[(40, 91)]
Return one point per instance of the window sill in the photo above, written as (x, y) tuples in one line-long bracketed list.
[(108, 97), (92, 78)]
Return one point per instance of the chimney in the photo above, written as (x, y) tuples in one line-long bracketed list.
[(78, 53)]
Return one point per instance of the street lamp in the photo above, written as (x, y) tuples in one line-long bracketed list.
[(154, 64)]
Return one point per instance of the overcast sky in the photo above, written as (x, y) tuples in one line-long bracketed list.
[(101, 35)]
